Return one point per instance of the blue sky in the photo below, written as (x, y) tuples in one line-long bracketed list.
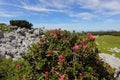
[(79, 15)]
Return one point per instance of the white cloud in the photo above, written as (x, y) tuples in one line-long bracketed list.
[(98, 7), (113, 5), (5, 13), (83, 15), (58, 4), (33, 8), (102, 8)]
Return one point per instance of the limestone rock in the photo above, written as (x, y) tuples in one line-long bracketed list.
[(15, 44)]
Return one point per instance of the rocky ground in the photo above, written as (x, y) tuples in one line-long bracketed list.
[(14, 44), (113, 61), (115, 49)]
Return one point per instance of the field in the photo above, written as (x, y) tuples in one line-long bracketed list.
[(109, 44)]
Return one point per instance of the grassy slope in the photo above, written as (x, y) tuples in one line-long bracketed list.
[(106, 42)]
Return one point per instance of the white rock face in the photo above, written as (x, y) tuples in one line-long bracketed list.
[(14, 44), (113, 61)]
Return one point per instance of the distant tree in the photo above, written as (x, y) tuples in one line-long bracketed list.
[(21, 23), (2, 24)]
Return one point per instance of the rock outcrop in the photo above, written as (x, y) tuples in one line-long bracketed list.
[(14, 44)]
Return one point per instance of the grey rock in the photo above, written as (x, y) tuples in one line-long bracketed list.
[(18, 30), (2, 51), (37, 32), (7, 56), (117, 74), (15, 44), (13, 27), (113, 61), (11, 35), (31, 31), (33, 36), (19, 40), (1, 34), (8, 47), (4, 40), (21, 31)]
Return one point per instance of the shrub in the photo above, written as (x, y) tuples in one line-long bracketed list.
[(112, 33), (14, 70), (4, 28), (61, 55), (21, 23)]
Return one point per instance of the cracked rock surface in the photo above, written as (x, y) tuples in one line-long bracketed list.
[(14, 44), (113, 61)]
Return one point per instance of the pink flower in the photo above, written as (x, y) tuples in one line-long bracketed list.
[(46, 74), (49, 52), (40, 43), (81, 42), (17, 66), (62, 77), (55, 36), (59, 29), (108, 65), (99, 63), (85, 46), (52, 32), (57, 73), (81, 74), (61, 58), (67, 39), (17, 79), (76, 47), (61, 34), (44, 37), (90, 36)]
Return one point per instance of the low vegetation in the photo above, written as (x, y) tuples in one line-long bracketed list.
[(59, 55), (105, 43), (4, 28)]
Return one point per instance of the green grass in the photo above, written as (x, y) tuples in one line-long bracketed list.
[(104, 43)]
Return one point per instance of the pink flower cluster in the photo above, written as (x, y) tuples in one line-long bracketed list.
[(76, 47), (54, 34), (49, 52), (61, 58), (81, 74), (40, 43), (62, 77), (90, 36), (17, 66), (85, 46), (44, 37), (46, 74)]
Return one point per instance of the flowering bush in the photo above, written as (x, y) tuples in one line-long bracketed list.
[(61, 55), (14, 70)]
